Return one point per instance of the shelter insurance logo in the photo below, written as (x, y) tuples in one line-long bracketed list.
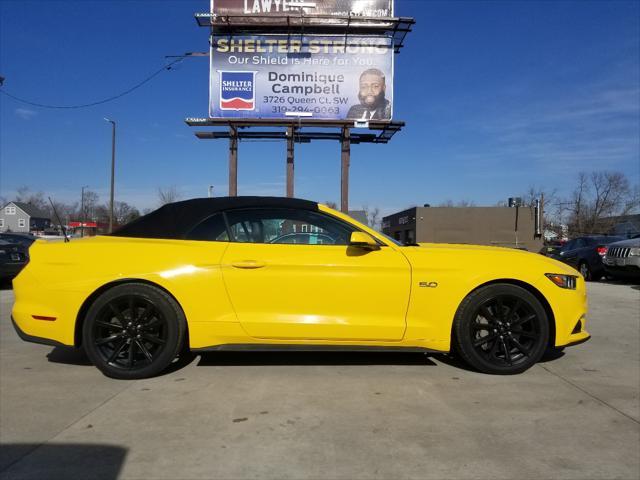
[(237, 90)]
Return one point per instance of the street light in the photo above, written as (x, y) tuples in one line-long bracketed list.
[(113, 170), (82, 210), (210, 191)]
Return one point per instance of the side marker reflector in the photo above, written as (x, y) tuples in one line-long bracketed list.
[(43, 317)]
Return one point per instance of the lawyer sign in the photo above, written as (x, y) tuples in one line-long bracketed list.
[(326, 77), (363, 8)]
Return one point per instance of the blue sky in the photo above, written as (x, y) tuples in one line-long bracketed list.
[(497, 96)]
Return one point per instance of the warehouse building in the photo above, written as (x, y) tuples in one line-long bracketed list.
[(518, 227)]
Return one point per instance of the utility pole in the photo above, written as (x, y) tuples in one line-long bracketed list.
[(345, 157), (82, 210), (113, 171), (290, 160)]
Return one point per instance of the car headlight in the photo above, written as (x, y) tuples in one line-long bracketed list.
[(563, 281), (634, 252)]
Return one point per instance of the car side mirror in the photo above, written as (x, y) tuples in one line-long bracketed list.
[(363, 240)]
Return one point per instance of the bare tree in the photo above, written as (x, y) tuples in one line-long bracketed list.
[(331, 204), (534, 193), (597, 198), (124, 213), (373, 216), (36, 199), (168, 195), (90, 210), (66, 211), (551, 205), (460, 203)]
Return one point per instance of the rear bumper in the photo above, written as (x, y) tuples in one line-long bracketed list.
[(30, 338)]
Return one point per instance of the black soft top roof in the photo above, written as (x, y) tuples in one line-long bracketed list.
[(175, 220)]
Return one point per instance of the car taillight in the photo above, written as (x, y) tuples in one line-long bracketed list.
[(602, 251)]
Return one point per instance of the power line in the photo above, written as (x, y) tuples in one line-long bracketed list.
[(99, 102)]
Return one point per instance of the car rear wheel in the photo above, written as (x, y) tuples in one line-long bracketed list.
[(133, 331), (501, 329)]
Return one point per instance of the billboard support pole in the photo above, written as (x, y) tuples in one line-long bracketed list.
[(233, 161), (290, 158), (344, 178)]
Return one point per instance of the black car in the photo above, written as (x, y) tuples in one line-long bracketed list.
[(24, 239), (585, 255), (551, 248), (13, 257)]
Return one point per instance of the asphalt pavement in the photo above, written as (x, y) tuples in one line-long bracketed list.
[(329, 415)]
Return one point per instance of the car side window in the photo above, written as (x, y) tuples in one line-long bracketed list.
[(569, 246), (212, 229), (580, 243), (287, 226)]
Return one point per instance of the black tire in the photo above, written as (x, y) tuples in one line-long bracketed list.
[(553, 353), (501, 329), (133, 331), (585, 271)]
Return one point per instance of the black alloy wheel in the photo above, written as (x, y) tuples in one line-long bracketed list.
[(133, 331), (501, 329)]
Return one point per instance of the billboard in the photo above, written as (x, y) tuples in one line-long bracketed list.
[(361, 8), (323, 77)]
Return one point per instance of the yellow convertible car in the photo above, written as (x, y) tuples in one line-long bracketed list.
[(263, 273)]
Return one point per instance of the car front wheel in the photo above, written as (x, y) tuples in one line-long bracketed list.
[(133, 331), (501, 329)]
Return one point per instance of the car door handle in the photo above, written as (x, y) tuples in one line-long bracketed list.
[(248, 264)]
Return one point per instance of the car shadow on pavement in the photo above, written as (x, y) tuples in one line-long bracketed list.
[(628, 282), (453, 361), (6, 285), (552, 355), (61, 460), (457, 362), (313, 358), (68, 355)]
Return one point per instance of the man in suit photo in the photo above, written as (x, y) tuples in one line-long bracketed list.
[(373, 104)]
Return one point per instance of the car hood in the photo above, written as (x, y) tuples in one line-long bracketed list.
[(483, 255), (632, 242)]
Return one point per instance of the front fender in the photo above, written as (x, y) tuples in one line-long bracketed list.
[(442, 278)]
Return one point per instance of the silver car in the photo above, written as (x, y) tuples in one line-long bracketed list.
[(622, 259)]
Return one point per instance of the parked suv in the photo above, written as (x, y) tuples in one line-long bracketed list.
[(622, 259), (585, 255)]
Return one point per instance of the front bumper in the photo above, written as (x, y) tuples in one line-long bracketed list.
[(578, 342), (570, 309), (628, 267), (577, 335)]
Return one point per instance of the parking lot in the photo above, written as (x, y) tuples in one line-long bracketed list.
[(329, 415)]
